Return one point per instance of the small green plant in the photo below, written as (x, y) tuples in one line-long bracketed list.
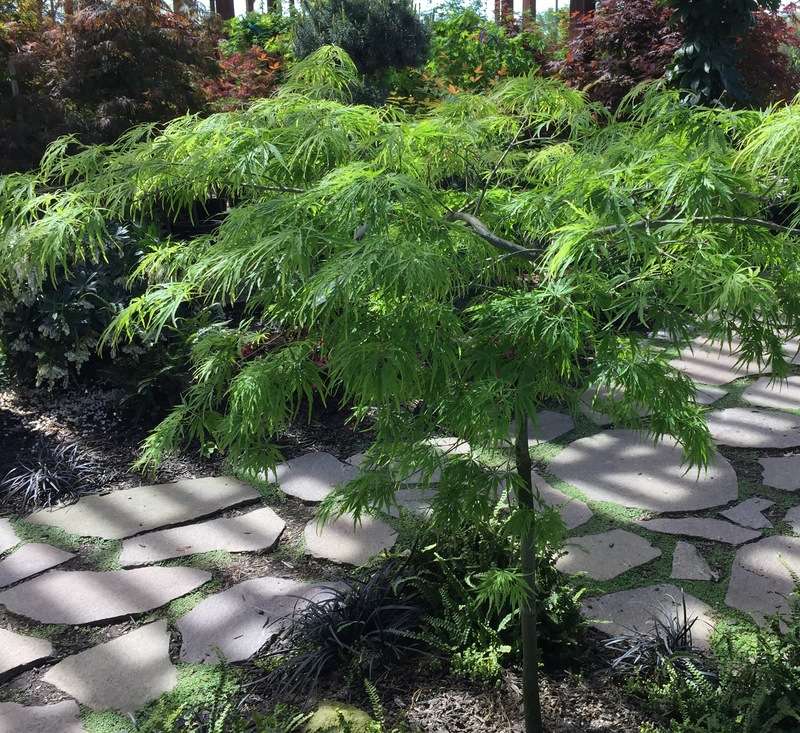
[(268, 31)]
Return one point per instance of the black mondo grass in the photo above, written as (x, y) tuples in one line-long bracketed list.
[(670, 641), (51, 474), (361, 625)]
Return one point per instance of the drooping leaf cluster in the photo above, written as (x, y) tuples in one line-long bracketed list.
[(441, 272)]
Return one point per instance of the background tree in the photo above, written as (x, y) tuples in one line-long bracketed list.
[(448, 274), (707, 64)]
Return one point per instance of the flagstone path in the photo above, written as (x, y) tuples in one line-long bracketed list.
[(208, 569)]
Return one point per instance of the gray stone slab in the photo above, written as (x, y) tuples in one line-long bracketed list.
[(606, 555), (637, 610), (792, 518), (18, 652), (780, 394), (311, 477), (123, 674), (546, 426), (761, 576), (342, 541), (741, 427), (705, 394), (709, 529), (30, 559), (588, 404), (415, 500), (574, 512), (87, 596), (791, 350), (61, 717), (249, 532), (127, 512), (234, 624), (749, 513), (782, 472), (689, 564), (628, 468), (714, 362), (8, 538)]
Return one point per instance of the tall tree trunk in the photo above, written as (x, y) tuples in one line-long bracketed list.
[(530, 633), (250, 5), (225, 9), (69, 8), (498, 12), (507, 11), (528, 9)]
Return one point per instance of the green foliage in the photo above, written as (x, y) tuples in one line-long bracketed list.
[(755, 688), (470, 52), (377, 34), (269, 31)]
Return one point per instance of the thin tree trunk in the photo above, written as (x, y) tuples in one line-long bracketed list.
[(69, 8), (498, 11), (507, 11), (225, 9), (250, 5), (528, 10), (530, 633)]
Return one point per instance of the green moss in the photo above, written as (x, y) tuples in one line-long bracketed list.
[(184, 604), (49, 535), (210, 561), (106, 722)]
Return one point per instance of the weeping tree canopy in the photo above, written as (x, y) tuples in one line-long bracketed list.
[(443, 273)]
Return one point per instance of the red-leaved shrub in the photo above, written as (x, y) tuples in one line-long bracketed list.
[(625, 42), (244, 75)]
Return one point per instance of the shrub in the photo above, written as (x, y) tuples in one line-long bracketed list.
[(51, 474), (269, 31), (377, 34), (244, 75), (625, 42), (470, 52), (358, 627), (754, 688)]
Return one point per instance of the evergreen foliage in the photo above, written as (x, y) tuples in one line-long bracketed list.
[(445, 273), (377, 34)]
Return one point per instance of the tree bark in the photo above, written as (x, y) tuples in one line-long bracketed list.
[(507, 11), (528, 10), (498, 12), (530, 633), (225, 9), (250, 5), (69, 8)]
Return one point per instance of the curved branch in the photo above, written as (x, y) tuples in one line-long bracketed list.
[(484, 232)]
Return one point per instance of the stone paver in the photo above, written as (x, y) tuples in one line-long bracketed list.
[(30, 559), (547, 426), (791, 350), (705, 395), (637, 609), (573, 511), (709, 529), (713, 362), (749, 513), (8, 537), (311, 477), (792, 518), (741, 427), (603, 393), (128, 512), (782, 472), (87, 596), (18, 652), (606, 555), (341, 541), (123, 674), (61, 717), (234, 624), (761, 576), (249, 532), (627, 468), (689, 564), (779, 394), (446, 447), (413, 500)]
